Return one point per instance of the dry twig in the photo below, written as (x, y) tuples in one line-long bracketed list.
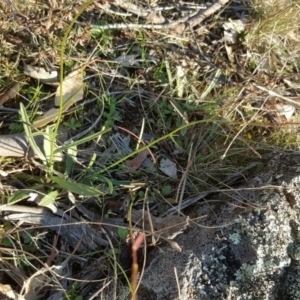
[(179, 25)]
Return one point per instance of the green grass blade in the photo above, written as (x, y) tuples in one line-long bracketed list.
[(76, 188), (81, 141), (155, 142), (47, 142), (70, 159), (212, 84), (61, 77), (18, 196), (29, 134)]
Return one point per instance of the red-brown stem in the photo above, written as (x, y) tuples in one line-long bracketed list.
[(135, 267)]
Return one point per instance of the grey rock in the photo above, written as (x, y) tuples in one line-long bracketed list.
[(246, 245)]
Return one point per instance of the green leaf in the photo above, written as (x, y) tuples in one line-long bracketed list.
[(6, 242), (109, 183), (16, 127), (71, 154), (27, 240), (212, 84), (29, 135), (81, 141), (183, 131), (123, 233), (47, 142), (76, 187), (166, 190), (169, 73), (48, 199), (18, 196)]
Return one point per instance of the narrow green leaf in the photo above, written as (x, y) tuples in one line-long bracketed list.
[(92, 161), (47, 142), (71, 154), (18, 196), (76, 187), (109, 183), (48, 199), (29, 134), (81, 141), (212, 84), (169, 72)]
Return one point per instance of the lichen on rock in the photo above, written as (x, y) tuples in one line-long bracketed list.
[(248, 248)]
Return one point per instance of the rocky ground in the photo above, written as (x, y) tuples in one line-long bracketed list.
[(246, 246)]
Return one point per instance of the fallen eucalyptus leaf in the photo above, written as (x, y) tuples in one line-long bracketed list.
[(10, 93), (136, 162), (50, 78), (293, 85), (285, 110), (168, 167), (6, 290), (72, 90), (48, 117), (36, 285)]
